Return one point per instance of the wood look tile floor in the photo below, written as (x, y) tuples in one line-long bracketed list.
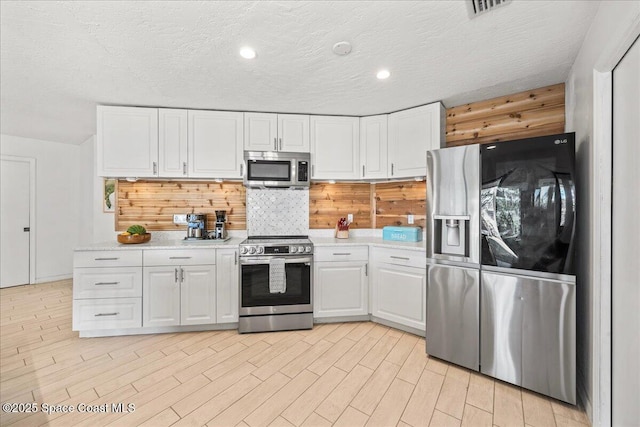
[(344, 374)]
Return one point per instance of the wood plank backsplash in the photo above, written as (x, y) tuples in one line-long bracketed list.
[(330, 202), (395, 200), (525, 114), (153, 203)]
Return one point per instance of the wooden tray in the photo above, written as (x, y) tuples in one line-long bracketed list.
[(132, 238)]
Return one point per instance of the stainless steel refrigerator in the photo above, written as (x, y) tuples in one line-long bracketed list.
[(515, 285)]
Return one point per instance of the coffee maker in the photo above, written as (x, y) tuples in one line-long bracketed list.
[(219, 232), (196, 226)]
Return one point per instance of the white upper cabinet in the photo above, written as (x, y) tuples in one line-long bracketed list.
[(172, 143), (293, 133), (335, 147), (215, 144), (127, 141), (276, 132), (411, 134), (373, 147)]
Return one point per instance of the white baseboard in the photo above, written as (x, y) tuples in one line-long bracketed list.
[(53, 278)]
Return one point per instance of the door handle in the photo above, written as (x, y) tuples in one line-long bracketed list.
[(241, 169), (399, 257), (275, 143), (184, 168), (236, 258), (105, 283), (280, 143), (391, 169), (342, 253), (106, 259), (175, 276), (181, 275), (106, 314), (363, 171), (366, 269), (179, 257), (155, 168)]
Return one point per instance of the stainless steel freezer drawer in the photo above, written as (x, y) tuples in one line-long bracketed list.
[(453, 314), (528, 332)]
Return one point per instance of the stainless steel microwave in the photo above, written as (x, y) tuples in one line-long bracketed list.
[(276, 169)]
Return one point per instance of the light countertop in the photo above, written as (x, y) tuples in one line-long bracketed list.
[(374, 241), (235, 241), (163, 244)]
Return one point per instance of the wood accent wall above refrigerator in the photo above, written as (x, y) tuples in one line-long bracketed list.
[(527, 114)]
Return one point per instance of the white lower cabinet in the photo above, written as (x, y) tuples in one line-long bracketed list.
[(179, 295), (399, 288), (227, 295), (107, 290), (341, 283)]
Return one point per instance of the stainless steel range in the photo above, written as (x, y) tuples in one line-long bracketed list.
[(276, 283)]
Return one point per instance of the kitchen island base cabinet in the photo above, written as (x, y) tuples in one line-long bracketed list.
[(399, 288)]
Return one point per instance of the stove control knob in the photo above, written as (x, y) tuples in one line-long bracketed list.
[(301, 249), (260, 249), (243, 250), (252, 250), (293, 249), (307, 249)]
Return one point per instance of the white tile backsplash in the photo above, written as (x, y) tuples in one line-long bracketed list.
[(277, 211)]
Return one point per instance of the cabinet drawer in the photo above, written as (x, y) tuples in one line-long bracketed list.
[(109, 282), (179, 257), (107, 313), (341, 253), (400, 257), (124, 258)]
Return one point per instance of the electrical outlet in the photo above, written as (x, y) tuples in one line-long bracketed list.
[(350, 218), (410, 219), (180, 219)]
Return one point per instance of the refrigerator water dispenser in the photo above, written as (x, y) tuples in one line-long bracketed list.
[(452, 235)]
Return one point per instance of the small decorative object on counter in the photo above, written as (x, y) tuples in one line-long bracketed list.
[(134, 234), (342, 229), (402, 234)]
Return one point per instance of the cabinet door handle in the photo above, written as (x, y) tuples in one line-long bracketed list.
[(105, 283), (313, 171), (181, 275), (366, 269), (175, 277), (106, 314), (241, 169), (155, 168), (179, 257), (236, 258), (184, 168), (275, 143), (391, 169), (400, 257), (106, 259), (280, 139), (342, 253), (363, 171)]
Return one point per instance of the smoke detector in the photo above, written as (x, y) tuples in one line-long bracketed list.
[(342, 48), (480, 7)]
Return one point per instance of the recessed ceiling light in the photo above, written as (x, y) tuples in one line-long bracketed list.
[(383, 74), (342, 48), (247, 52)]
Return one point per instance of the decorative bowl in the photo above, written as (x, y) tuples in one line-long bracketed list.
[(133, 238)]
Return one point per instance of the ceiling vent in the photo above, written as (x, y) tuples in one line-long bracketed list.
[(480, 7)]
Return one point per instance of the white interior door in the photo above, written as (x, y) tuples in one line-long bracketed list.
[(15, 188), (625, 278)]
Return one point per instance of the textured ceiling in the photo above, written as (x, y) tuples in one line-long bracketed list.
[(60, 59)]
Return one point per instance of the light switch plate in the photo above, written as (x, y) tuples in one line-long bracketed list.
[(350, 218), (180, 219), (410, 219)]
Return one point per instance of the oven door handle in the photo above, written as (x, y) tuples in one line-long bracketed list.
[(265, 260)]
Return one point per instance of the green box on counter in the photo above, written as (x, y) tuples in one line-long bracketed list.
[(402, 234)]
